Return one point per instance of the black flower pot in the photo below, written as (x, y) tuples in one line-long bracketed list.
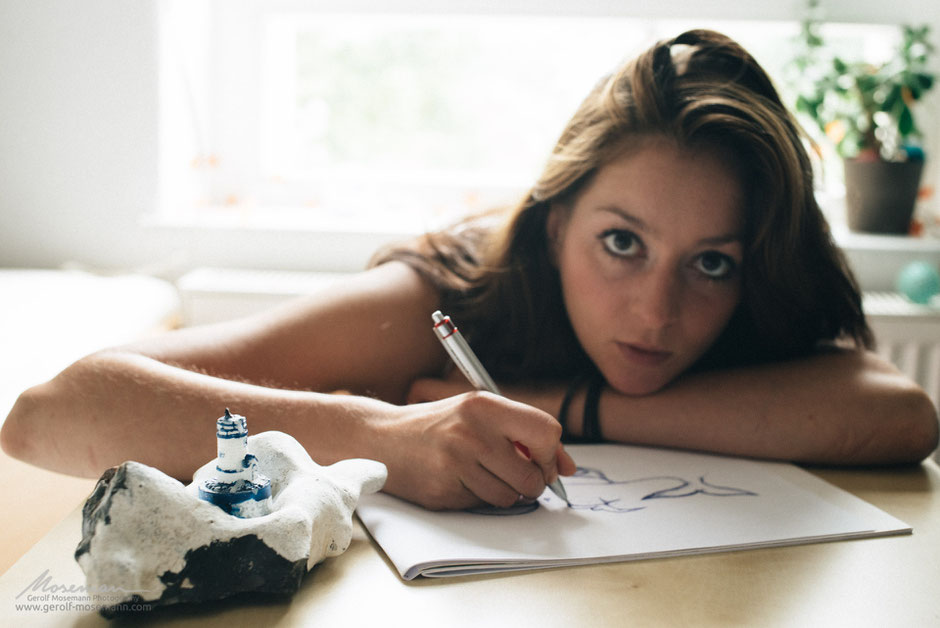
[(880, 195)]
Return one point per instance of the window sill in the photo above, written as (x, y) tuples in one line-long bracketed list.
[(877, 259), (293, 239), (263, 241)]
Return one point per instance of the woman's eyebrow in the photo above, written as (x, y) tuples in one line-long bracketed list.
[(731, 238), (627, 216)]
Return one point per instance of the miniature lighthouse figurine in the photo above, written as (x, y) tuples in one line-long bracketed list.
[(238, 488)]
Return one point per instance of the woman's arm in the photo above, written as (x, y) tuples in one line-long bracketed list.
[(845, 407), (156, 401)]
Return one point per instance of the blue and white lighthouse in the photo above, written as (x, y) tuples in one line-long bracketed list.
[(238, 488)]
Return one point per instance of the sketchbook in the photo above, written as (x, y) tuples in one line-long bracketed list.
[(627, 503)]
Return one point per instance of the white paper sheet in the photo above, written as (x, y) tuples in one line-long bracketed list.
[(629, 503)]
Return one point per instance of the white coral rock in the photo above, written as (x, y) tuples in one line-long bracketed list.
[(140, 532)]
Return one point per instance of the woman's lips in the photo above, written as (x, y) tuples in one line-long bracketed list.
[(643, 355)]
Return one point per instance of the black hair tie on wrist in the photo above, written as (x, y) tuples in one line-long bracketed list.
[(591, 430)]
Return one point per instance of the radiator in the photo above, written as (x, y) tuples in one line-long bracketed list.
[(908, 335)]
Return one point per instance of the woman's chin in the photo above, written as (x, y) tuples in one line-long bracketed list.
[(637, 387)]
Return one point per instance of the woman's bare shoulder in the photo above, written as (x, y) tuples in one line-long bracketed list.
[(369, 333)]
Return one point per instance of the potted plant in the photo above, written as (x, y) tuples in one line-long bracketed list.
[(866, 111)]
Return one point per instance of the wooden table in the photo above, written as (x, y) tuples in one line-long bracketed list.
[(49, 497), (50, 319), (873, 582)]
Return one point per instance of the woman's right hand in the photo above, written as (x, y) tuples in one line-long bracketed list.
[(459, 451)]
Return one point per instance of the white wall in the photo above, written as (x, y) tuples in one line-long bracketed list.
[(78, 129), (79, 132)]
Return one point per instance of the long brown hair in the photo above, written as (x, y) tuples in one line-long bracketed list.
[(701, 87)]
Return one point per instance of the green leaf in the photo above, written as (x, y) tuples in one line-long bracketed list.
[(905, 122), (925, 81), (893, 99)]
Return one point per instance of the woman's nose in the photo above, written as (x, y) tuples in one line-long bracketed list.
[(657, 299)]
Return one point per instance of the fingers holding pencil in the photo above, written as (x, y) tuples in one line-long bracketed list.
[(467, 362), (461, 452)]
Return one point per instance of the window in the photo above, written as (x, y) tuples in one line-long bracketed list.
[(334, 117), (423, 116)]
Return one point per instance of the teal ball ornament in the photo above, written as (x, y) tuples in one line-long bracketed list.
[(919, 281)]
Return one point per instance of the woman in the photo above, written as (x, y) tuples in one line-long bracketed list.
[(668, 281)]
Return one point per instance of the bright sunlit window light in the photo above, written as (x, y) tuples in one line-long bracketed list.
[(394, 123)]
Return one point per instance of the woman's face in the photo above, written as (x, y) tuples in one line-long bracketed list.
[(650, 260)]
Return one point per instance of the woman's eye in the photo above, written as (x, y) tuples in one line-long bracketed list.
[(621, 243), (715, 265)]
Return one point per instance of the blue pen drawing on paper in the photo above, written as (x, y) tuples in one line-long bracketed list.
[(592, 490), (611, 495)]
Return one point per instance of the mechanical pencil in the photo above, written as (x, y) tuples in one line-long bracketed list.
[(468, 363)]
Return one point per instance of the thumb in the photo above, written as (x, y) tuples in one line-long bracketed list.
[(566, 464)]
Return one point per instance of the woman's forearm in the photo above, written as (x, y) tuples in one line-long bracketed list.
[(115, 406), (840, 408), (119, 405)]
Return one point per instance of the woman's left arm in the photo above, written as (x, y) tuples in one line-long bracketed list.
[(844, 407)]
